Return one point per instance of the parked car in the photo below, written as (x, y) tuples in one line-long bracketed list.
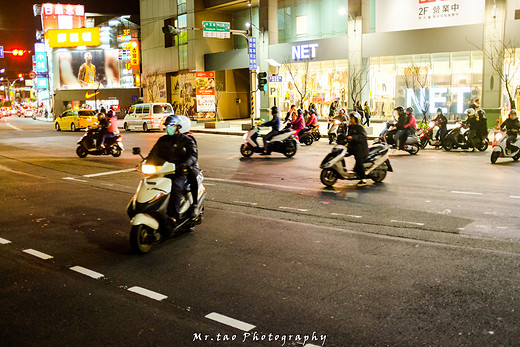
[(76, 119), (148, 116)]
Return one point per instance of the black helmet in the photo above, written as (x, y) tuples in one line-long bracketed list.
[(274, 110), (439, 110), (300, 111), (481, 113), (409, 110), (172, 120), (399, 109)]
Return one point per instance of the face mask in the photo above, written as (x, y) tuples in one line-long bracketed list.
[(170, 130)]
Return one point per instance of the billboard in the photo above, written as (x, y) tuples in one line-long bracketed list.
[(58, 16), (205, 89), (90, 69), (397, 15)]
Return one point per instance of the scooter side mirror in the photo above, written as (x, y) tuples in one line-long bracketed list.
[(136, 150)]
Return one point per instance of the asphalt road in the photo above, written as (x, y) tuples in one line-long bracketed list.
[(429, 257)]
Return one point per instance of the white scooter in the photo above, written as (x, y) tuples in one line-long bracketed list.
[(501, 150), (333, 166), (284, 142), (148, 207)]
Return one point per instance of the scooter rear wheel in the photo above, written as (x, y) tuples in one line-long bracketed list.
[(116, 152), (483, 146), (308, 140), (81, 152), (414, 148), (378, 175), (141, 237), (290, 149), (328, 177)]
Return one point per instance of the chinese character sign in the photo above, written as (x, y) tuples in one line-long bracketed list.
[(58, 16), (397, 15), (40, 58)]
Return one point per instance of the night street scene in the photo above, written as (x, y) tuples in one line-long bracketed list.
[(260, 173)]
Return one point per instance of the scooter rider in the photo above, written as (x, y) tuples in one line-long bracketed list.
[(472, 123), (511, 125), (401, 131), (274, 123), (442, 122), (177, 148), (193, 171), (358, 145)]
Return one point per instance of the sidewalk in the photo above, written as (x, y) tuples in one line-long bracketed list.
[(234, 127)]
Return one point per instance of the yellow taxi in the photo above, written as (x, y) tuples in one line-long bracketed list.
[(76, 119)]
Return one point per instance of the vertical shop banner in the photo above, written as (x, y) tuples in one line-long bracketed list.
[(396, 15), (205, 83), (40, 58)]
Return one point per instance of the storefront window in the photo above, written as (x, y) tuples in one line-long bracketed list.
[(425, 83), (319, 83)]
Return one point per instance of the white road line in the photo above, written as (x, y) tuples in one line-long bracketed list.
[(74, 179), (38, 254), (292, 208), (246, 203), (4, 241), (311, 345), (270, 185), (468, 193), (87, 272), (148, 293), (109, 173), (515, 197), (347, 215), (405, 222), (217, 317), (14, 127)]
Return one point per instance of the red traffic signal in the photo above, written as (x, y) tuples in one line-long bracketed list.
[(18, 52), (20, 75)]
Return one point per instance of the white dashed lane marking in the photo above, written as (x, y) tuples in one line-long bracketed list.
[(74, 179), (148, 293), (246, 203), (292, 208), (4, 241), (38, 254), (87, 272), (109, 173), (515, 197), (346, 215), (217, 317), (467, 193), (405, 222)]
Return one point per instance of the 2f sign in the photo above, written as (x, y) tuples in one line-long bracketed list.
[(304, 51)]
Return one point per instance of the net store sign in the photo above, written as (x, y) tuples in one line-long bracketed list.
[(303, 52)]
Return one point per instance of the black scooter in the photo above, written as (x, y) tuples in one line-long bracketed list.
[(87, 144), (458, 138)]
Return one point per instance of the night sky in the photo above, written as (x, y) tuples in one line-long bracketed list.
[(18, 26)]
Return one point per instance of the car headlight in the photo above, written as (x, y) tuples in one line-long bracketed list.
[(148, 169)]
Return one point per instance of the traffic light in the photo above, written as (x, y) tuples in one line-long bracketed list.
[(18, 52), (20, 75), (262, 81)]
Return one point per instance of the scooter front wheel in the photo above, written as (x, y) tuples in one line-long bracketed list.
[(141, 238), (494, 156), (413, 149), (116, 152), (246, 150), (81, 152), (328, 177)]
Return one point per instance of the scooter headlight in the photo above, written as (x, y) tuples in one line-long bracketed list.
[(148, 169), (431, 124), (244, 136), (498, 136), (458, 125), (337, 122)]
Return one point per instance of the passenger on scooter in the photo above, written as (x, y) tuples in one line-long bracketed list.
[(472, 123), (511, 125), (298, 123), (177, 148), (482, 128), (102, 130), (401, 131), (313, 120), (274, 123), (357, 145), (442, 123), (289, 115), (343, 118), (111, 130)]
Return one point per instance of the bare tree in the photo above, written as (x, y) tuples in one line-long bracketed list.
[(300, 77), (151, 81), (219, 91), (501, 55), (416, 78), (356, 82)]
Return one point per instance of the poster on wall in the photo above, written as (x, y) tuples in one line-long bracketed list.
[(205, 83), (184, 95), (397, 15), (90, 69)]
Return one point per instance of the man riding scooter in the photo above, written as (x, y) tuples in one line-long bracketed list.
[(275, 124), (179, 149), (511, 125), (357, 145)]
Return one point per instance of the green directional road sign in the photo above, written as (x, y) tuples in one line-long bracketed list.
[(219, 30)]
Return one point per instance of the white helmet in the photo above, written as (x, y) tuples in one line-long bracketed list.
[(185, 124), (470, 112), (355, 115)]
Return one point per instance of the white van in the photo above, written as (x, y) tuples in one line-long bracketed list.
[(148, 116)]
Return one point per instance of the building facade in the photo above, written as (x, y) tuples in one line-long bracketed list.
[(426, 54)]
